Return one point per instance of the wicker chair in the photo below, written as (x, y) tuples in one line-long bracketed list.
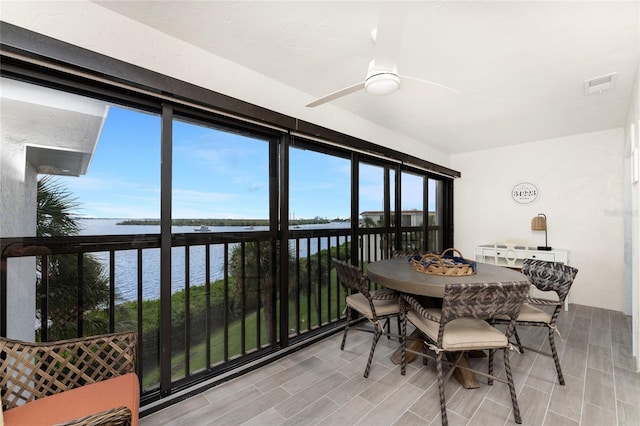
[(32, 372), (461, 326), (546, 276), (375, 306)]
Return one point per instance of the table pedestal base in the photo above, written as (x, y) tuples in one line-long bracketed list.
[(464, 377)]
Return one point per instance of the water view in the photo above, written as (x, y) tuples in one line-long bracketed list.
[(126, 270)]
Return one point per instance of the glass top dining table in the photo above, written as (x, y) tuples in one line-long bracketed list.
[(397, 274)]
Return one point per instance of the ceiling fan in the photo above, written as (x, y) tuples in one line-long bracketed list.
[(382, 76)]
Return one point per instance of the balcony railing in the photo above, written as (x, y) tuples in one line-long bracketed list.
[(235, 297)]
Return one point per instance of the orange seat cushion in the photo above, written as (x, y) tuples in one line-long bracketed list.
[(80, 402)]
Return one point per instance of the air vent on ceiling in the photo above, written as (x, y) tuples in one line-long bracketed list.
[(598, 84)]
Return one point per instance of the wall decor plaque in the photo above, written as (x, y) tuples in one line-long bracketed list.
[(524, 193)]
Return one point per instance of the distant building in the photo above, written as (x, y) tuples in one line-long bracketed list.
[(375, 246), (408, 218)]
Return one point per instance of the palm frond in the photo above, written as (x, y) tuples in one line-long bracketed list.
[(57, 209)]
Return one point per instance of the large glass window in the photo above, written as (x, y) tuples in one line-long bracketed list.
[(123, 178), (120, 195), (412, 197), (373, 243), (371, 193), (435, 215), (220, 184), (87, 168), (319, 198), (220, 180), (412, 211), (319, 188)]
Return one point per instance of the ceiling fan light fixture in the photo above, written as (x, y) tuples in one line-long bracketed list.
[(382, 84)]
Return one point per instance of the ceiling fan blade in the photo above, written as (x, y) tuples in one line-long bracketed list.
[(338, 94), (422, 86), (389, 34)]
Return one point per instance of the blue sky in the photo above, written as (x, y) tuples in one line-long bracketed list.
[(216, 174)]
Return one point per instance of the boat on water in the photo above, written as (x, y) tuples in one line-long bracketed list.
[(248, 227), (203, 228)]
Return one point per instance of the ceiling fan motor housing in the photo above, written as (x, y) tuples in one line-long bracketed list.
[(381, 81)]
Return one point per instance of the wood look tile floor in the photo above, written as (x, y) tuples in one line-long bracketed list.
[(322, 385)]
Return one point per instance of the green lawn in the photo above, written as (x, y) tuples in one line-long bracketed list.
[(198, 353)]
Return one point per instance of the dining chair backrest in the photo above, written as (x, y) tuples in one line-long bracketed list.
[(482, 301), (406, 254), (351, 277), (377, 306), (550, 276)]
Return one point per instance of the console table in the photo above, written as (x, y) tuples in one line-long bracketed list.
[(511, 256)]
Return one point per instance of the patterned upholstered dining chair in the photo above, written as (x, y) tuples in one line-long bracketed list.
[(406, 254), (376, 306), (461, 326), (546, 276)]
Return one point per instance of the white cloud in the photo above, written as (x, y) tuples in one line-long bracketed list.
[(189, 196)]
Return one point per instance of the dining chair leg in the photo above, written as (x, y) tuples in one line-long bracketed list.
[(443, 406), (403, 354), (376, 335), (554, 353), (387, 324), (520, 348), (490, 379), (346, 329), (425, 351), (512, 388)]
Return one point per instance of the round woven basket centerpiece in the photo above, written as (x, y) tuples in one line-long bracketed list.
[(447, 264)]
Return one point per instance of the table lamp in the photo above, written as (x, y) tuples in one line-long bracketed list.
[(539, 223)]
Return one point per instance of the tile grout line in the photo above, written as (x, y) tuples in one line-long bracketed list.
[(555, 382), (586, 368), (409, 405), (613, 371)]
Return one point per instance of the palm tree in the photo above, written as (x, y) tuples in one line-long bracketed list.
[(316, 279), (254, 282), (368, 222), (55, 213), (56, 218)]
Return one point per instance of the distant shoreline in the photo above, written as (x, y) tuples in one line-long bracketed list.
[(226, 222)]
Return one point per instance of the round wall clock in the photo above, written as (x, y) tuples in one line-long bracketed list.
[(524, 193)]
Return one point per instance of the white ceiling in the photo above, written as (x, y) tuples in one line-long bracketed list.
[(520, 66)]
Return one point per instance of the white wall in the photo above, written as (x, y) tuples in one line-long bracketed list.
[(18, 219), (632, 218), (580, 183)]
